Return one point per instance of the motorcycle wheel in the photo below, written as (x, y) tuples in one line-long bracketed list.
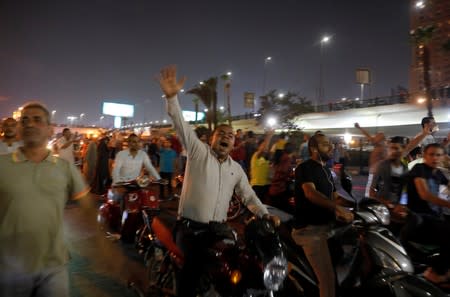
[(161, 274)]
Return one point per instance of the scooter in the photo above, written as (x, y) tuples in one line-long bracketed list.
[(368, 260), (125, 217)]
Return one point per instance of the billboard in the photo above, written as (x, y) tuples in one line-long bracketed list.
[(363, 76), (249, 100), (189, 116), (118, 109)]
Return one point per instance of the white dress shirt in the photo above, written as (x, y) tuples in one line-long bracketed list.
[(209, 184), (6, 149), (127, 167), (65, 153)]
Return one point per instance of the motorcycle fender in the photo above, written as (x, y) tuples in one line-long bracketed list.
[(410, 285), (381, 239)]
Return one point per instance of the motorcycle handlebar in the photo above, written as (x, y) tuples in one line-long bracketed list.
[(134, 183)]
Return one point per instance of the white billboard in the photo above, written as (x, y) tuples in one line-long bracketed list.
[(118, 109), (189, 116)]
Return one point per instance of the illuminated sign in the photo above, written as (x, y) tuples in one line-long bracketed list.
[(118, 110), (189, 116)]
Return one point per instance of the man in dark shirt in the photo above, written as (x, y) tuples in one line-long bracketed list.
[(425, 222), (316, 211)]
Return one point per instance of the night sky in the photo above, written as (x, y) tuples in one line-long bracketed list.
[(73, 55)]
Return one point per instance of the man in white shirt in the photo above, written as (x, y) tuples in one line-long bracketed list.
[(211, 177), (128, 163), (9, 142), (431, 123), (65, 146)]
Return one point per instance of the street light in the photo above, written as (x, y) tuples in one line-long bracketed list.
[(81, 117), (53, 115), (266, 61), (321, 93), (420, 4), (71, 119)]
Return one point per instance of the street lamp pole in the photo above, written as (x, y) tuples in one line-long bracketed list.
[(228, 95), (321, 91), (266, 60)]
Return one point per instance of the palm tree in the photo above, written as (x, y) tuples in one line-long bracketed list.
[(207, 93), (196, 100), (421, 38)]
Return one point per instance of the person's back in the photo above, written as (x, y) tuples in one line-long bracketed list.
[(260, 168)]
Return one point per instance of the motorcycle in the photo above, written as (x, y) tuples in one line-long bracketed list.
[(367, 258), (126, 218), (254, 266)]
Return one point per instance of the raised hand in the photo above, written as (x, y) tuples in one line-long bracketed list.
[(168, 81)]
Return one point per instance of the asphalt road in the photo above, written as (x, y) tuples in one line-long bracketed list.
[(100, 267)]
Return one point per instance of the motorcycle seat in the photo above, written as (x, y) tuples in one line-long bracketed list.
[(426, 248)]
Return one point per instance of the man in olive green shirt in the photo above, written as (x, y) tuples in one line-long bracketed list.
[(34, 187)]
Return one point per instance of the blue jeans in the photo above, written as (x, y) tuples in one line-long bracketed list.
[(50, 282)]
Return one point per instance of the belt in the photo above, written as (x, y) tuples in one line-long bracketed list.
[(191, 224), (196, 225)]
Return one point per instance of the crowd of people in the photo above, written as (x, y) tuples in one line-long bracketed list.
[(260, 169)]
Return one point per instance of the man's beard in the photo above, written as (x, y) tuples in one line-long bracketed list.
[(324, 157)]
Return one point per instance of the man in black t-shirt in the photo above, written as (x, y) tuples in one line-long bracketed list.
[(316, 211), (425, 223)]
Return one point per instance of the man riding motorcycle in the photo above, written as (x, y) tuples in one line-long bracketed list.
[(317, 208), (426, 223), (210, 179), (128, 165)]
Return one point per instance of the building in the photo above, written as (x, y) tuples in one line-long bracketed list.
[(434, 13)]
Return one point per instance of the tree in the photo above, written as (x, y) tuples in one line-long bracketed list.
[(196, 100), (421, 38), (286, 108), (207, 93)]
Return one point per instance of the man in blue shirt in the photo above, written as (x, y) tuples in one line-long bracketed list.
[(167, 167)]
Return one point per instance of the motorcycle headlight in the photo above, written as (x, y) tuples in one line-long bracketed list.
[(382, 213), (275, 272), (143, 181)]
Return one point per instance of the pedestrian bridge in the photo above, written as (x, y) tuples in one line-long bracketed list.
[(397, 119)]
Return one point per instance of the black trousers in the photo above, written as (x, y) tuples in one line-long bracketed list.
[(166, 176), (194, 239), (428, 229)]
